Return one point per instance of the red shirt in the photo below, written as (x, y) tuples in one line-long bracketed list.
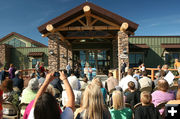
[(42, 69), (1, 94)]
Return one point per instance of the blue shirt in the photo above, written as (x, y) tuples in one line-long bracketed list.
[(103, 90)]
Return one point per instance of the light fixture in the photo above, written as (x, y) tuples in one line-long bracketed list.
[(51, 52), (125, 51), (62, 55), (83, 40)]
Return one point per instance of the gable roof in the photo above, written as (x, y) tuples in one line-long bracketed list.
[(77, 11), (154, 36), (23, 37)]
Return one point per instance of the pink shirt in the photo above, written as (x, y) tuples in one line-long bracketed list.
[(28, 109), (160, 96)]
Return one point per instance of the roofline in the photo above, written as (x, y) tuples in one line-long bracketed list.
[(170, 45), (42, 28), (153, 36), (23, 37)]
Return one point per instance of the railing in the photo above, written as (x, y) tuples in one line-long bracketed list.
[(25, 72), (156, 69)]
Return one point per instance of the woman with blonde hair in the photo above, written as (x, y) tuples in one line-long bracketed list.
[(92, 105), (119, 110), (97, 81)]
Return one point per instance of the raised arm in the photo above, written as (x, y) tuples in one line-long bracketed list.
[(71, 100), (49, 78)]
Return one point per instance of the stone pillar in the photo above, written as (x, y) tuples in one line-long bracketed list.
[(63, 55), (122, 45), (70, 58), (53, 46), (2, 55), (5, 55), (115, 53)]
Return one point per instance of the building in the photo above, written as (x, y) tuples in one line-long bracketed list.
[(89, 35), (154, 50), (21, 51)]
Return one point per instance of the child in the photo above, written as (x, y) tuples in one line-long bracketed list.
[(147, 110)]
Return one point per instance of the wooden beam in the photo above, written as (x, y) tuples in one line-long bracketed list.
[(60, 35), (45, 35), (82, 22), (104, 20), (63, 38), (87, 28), (124, 26), (89, 37), (72, 21), (50, 28), (92, 23), (87, 12), (92, 42), (129, 33)]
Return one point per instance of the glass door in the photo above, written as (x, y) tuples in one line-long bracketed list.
[(92, 60), (103, 61)]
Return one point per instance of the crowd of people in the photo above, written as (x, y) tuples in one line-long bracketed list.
[(64, 96)]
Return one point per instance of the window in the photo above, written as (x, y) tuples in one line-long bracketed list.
[(135, 59), (16, 43), (92, 59), (102, 55), (169, 57), (175, 55), (34, 62), (83, 58), (32, 45)]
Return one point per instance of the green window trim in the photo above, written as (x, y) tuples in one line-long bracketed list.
[(16, 43)]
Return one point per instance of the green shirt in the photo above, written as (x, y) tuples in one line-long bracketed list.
[(125, 113), (28, 95)]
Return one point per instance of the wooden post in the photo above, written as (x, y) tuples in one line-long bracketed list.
[(50, 28), (87, 12), (124, 27), (152, 74)]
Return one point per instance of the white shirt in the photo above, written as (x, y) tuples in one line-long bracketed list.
[(68, 67), (66, 114), (86, 70), (74, 82), (77, 95), (123, 83), (143, 68), (145, 82)]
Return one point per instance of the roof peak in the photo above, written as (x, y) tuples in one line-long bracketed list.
[(23, 37), (96, 10)]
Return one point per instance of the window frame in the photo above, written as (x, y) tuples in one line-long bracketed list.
[(136, 63)]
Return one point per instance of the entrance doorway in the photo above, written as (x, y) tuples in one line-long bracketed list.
[(99, 60)]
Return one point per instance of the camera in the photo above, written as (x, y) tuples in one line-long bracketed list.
[(56, 74)]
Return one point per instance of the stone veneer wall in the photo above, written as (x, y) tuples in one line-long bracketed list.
[(62, 53), (65, 55), (70, 58), (115, 53), (4, 55), (53, 60), (122, 43)]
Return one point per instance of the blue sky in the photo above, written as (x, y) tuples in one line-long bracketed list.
[(155, 17)]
